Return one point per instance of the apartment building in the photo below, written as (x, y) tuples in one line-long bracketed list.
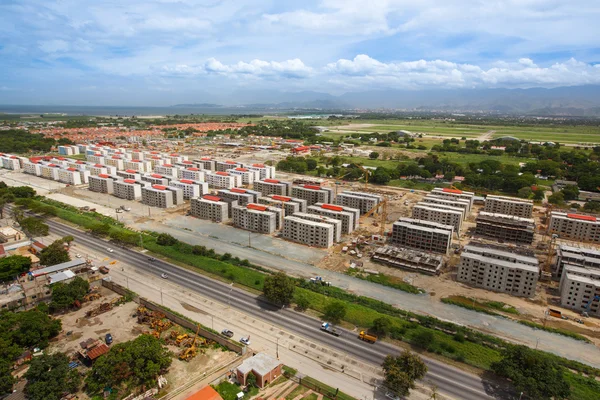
[(337, 224), (97, 169), (243, 196), (156, 161), (509, 206), (130, 174), (140, 166), (10, 162), (585, 228), (70, 176), (68, 150), (32, 168), (313, 194), (115, 161), (157, 196), (455, 194), (193, 173), (348, 218), (222, 180), (206, 163), (499, 269), (448, 202), (445, 216), (209, 207), (579, 288), (96, 158), (420, 234), (156, 179), (273, 186), (169, 170), (575, 256), (49, 171), (264, 171), (365, 202), (254, 217), (308, 232), (505, 227), (248, 176), (101, 183), (289, 207), (190, 188), (411, 260), (128, 189), (223, 166)]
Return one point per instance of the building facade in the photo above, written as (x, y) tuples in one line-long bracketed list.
[(424, 235), (585, 228), (307, 232), (336, 212), (365, 202), (101, 184), (209, 207), (254, 217), (505, 227), (312, 194), (157, 196), (509, 206), (444, 216), (273, 186), (128, 189)]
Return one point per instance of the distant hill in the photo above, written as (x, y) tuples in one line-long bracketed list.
[(198, 105)]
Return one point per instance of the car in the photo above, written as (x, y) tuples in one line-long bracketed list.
[(109, 250), (151, 259), (78, 255), (108, 338), (164, 276), (392, 396), (245, 341), (227, 333)]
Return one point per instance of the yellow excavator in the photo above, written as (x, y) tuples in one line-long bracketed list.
[(191, 351)]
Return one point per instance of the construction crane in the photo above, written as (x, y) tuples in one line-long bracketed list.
[(586, 309), (550, 252)]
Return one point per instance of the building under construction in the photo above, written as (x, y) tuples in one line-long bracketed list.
[(411, 260), (334, 223), (575, 256), (255, 217), (509, 205), (348, 216), (505, 227), (423, 235), (364, 202), (273, 186), (317, 233)]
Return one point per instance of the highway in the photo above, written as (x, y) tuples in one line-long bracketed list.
[(449, 380)]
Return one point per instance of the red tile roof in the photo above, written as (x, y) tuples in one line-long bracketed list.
[(448, 190), (272, 180), (582, 217), (332, 207), (257, 207), (193, 169), (211, 198), (222, 173), (97, 351), (159, 187), (242, 169), (103, 176), (129, 180), (237, 190), (314, 187), (258, 165), (281, 198), (188, 181), (156, 175), (208, 393), (131, 171)]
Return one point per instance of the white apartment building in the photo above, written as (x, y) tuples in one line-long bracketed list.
[(128, 189), (175, 158), (499, 269), (248, 176), (347, 218), (243, 196), (223, 166), (10, 162), (337, 224), (444, 216), (509, 205), (70, 176), (169, 170), (209, 207), (308, 232), (585, 228), (289, 207), (448, 202), (265, 171), (193, 173), (223, 180), (273, 186), (190, 188), (455, 194), (32, 168), (115, 161), (98, 169), (254, 217), (140, 166), (49, 171), (579, 288), (157, 196), (130, 174), (365, 202), (205, 163), (68, 150), (313, 194), (576, 256), (101, 183), (420, 234), (156, 179), (96, 158)]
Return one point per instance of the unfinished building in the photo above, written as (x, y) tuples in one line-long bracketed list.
[(509, 206), (455, 194), (205, 163), (223, 166), (311, 233), (243, 196), (273, 186), (336, 224), (254, 217), (364, 202), (190, 188), (575, 256), (584, 228), (408, 259), (446, 202), (580, 290), (222, 180), (193, 174), (348, 218), (445, 216), (313, 194), (209, 207), (505, 227), (156, 179), (500, 269), (289, 204), (248, 176), (424, 235), (264, 171)]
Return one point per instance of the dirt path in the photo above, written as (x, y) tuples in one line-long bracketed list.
[(486, 136)]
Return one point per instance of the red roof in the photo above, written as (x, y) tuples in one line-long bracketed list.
[(237, 190), (129, 180), (159, 187), (156, 175), (131, 171), (2, 252), (167, 165), (98, 155), (193, 169), (258, 165), (52, 165), (98, 165), (186, 181), (222, 173), (258, 207), (206, 158), (79, 162), (242, 169), (332, 207), (271, 180), (135, 160), (230, 162), (301, 148), (448, 190), (186, 162), (72, 169), (154, 152), (211, 198), (174, 155), (103, 176), (208, 393), (582, 217), (281, 198), (314, 187), (97, 351)]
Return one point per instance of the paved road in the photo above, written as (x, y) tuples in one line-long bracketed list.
[(450, 380)]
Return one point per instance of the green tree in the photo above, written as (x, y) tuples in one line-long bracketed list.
[(525, 192), (23, 192), (12, 266), (54, 254), (34, 227), (65, 294), (570, 192), (382, 326), (134, 363), (164, 239), (533, 373), (401, 372), (302, 302), (381, 176), (279, 288), (100, 229), (311, 164), (557, 198), (49, 378), (251, 380), (26, 329), (374, 155), (7, 380), (335, 311), (539, 194), (423, 339)]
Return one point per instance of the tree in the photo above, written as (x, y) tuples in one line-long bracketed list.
[(382, 326), (49, 378), (374, 155), (423, 339), (302, 302), (100, 229), (251, 379), (6, 378), (311, 164), (54, 254), (401, 372), (134, 363), (380, 176), (34, 227), (23, 192), (539, 194), (65, 294), (12, 266), (557, 198), (525, 192), (335, 311), (570, 192), (279, 288), (164, 239), (533, 373)]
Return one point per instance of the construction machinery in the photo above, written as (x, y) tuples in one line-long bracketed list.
[(192, 350), (586, 309), (382, 215), (91, 296)]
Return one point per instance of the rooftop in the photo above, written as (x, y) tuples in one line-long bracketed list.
[(262, 363)]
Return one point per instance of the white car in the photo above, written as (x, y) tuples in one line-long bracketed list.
[(109, 250), (245, 341), (392, 396), (164, 276), (78, 255)]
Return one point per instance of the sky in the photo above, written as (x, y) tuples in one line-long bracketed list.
[(162, 52)]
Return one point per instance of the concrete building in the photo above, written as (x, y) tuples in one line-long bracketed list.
[(365, 202), (223, 180), (455, 194), (273, 186), (408, 259), (190, 188), (337, 224), (157, 196), (130, 174), (448, 202), (445, 216), (348, 218), (579, 288), (137, 165), (223, 166), (424, 235), (575, 256), (254, 217), (68, 150), (156, 179), (193, 174), (115, 161), (128, 189), (248, 176), (209, 207), (308, 232), (243, 196), (10, 162), (313, 194), (505, 227), (97, 169), (169, 170), (49, 171), (264, 171), (264, 367), (500, 269), (32, 168), (206, 163), (96, 158), (585, 228), (289, 207), (101, 184), (509, 206)]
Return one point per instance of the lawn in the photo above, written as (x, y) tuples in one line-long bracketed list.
[(228, 391), (298, 391)]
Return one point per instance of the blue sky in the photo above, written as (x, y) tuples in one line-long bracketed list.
[(161, 52)]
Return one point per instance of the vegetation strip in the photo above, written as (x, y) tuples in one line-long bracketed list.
[(558, 331), (484, 307)]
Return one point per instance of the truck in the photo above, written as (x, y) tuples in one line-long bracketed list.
[(367, 337), (327, 327), (103, 270), (554, 313)]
